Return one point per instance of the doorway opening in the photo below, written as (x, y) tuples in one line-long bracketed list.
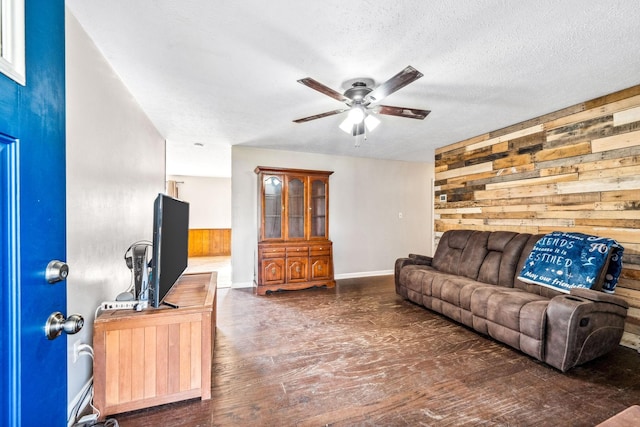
[(200, 174)]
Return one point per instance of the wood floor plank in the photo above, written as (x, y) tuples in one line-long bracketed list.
[(360, 355)]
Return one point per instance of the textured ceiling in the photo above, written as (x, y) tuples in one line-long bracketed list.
[(222, 73)]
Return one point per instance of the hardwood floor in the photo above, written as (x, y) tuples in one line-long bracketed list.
[(360, 355)]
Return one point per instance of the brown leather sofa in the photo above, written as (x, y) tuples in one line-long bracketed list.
[(472, 279)]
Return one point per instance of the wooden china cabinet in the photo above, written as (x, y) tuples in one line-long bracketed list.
[(294, 250)]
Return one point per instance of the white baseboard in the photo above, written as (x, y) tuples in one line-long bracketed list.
[(363, 274), (240, 285), (78, 402)]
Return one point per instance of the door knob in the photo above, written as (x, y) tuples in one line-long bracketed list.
[(56, 271), (57, 324)]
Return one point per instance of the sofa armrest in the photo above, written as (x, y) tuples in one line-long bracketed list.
[(412, 259), (582, 326), (421, 259), (599, 296)]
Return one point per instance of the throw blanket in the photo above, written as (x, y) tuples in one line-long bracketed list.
[(572, 260)]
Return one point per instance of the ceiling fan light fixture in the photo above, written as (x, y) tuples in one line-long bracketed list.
[(347, 126), (357, 114), (359, 129), (371, 122)]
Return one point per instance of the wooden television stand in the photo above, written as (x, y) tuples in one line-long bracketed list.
[(158, 355)]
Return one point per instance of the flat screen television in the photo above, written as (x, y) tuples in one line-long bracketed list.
[(170, 246)]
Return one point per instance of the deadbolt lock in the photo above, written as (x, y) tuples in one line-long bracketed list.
[(56, 271)]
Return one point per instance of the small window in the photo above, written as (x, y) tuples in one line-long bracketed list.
[(12, 55)]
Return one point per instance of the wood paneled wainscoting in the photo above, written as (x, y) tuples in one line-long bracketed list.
[(577, 169), (209, 242)]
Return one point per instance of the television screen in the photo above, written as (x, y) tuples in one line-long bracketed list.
[(170, 245)]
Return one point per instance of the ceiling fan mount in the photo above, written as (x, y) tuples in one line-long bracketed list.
[(362, 95), (357, 92), (348, 84)]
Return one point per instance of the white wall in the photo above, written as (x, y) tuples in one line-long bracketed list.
[(209, 200), (366, 196), (115, 169)]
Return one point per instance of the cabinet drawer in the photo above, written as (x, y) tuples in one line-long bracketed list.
[(320, 250), (298, 251), (272, 253)]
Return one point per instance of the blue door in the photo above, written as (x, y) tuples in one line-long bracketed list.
[(33, 369)]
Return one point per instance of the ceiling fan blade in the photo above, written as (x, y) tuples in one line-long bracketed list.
[(410, 113), (321, 115), (316, 85), (395, 83)]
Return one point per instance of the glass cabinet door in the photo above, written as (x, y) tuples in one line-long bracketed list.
[(318, 207), (295, 208), (272, 207)]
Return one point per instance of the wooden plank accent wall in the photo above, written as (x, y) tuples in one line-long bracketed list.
[(209, 242), (577, 169)]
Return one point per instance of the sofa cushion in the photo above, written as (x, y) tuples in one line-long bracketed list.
[(412, 276), (480, 299), (452, 297), (457, 290), (448, 288), (500, 263), (518, 319), (479, 305), (474, 254), (448, 256), (519, 311), (419, 281)]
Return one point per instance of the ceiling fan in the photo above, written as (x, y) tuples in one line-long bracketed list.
[(362, 100)]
